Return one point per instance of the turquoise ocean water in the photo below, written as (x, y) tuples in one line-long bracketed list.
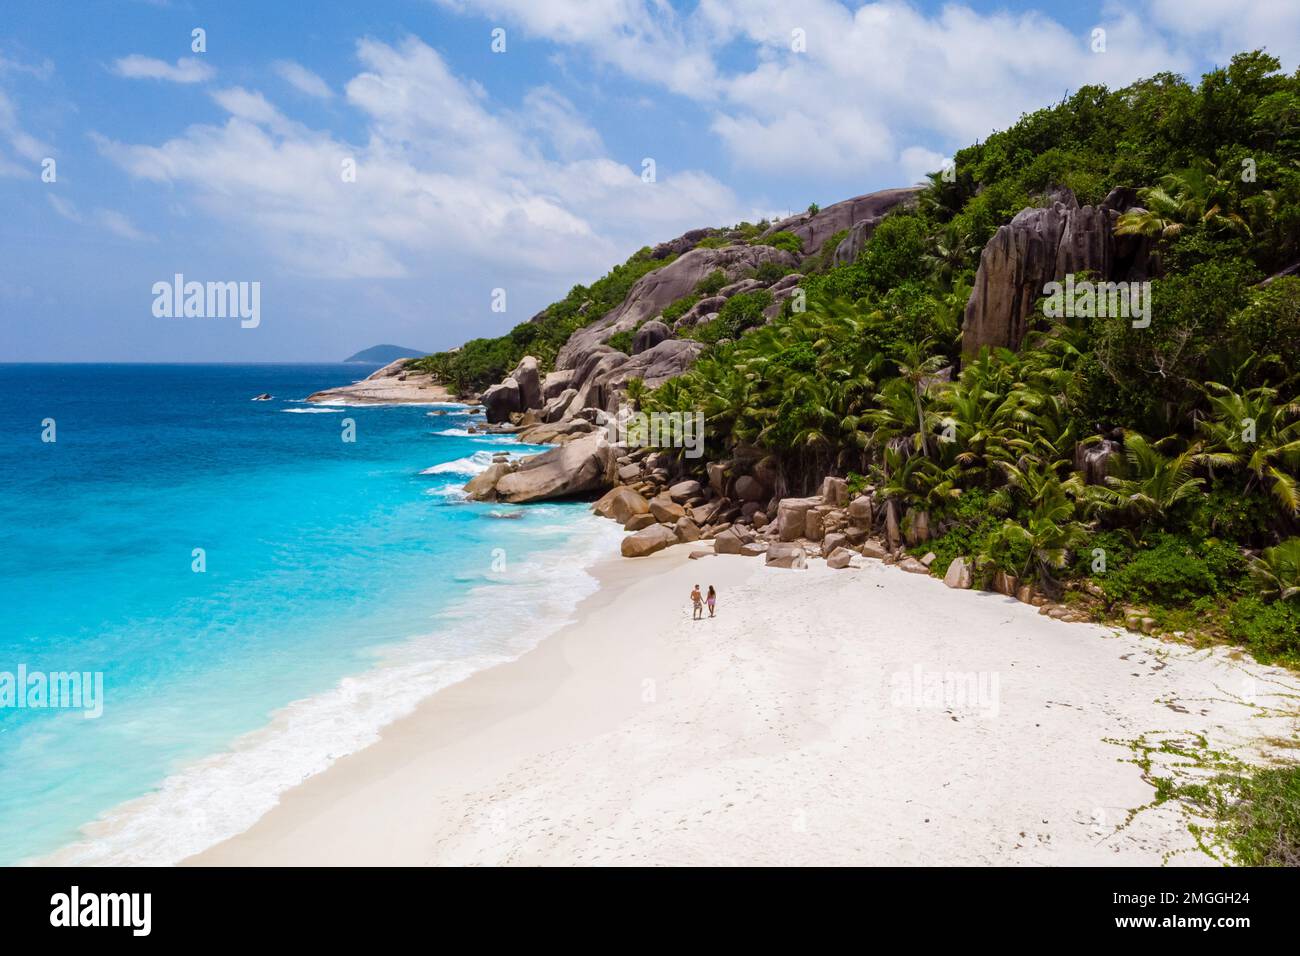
[(344, 582)]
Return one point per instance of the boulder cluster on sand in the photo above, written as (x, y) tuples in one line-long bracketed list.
[(734, 504)]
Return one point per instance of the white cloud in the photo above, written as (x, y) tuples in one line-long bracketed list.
[(877, 75), (22, 153), (302, 79), (644, 38), (446, 180), (917, 163), (64, 207), (1229, 28), (118, 223), (185, 70), (551, 117)]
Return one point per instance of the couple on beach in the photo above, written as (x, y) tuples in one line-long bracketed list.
[(698, 602)]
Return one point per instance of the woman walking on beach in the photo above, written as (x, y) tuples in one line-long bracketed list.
[(697, 603), (711, 599)]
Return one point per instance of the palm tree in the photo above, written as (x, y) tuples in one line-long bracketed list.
[(1150, 484), (636, 392), (1277, 571), (949, 250), (916, 367), (976, 413), (1196, 194), (1250, 430), (1049, 533)]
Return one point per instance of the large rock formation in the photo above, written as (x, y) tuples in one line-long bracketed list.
[(530, 383), (581, 466), (648, 541), (657, 290), (650, 335), (500, 401), (813, 229), (1043, 245), (605, 372)]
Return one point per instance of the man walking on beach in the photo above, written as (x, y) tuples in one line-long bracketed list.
[(698, 602)]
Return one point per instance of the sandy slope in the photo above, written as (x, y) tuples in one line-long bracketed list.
[(794, 728)]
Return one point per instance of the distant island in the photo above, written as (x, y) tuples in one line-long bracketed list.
[(383, 354)]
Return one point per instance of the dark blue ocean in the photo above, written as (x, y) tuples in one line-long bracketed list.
[(342, 582)]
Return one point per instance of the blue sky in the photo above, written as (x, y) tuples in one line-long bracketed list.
[(479, 170)]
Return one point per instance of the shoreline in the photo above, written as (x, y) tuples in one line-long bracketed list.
[(637, 736), (308, 734)]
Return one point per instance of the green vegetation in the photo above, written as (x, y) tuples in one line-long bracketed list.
[(1197, 519), (483, 362), (780, 240), (711, 283), (1262, 825), (1236, 813), (741, 312)]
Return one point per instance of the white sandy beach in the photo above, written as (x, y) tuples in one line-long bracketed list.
[(786, 731)]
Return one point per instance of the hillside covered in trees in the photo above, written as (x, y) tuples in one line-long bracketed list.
[(1194, 512), (1116, 464)]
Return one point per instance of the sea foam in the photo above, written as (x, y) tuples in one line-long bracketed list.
[(220, 796)]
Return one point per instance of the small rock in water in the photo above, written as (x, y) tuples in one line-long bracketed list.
[(264, 397), (505, 514)]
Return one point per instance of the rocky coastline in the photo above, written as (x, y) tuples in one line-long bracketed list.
[(394, 384)]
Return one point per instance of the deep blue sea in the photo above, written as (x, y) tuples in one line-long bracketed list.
[(343, 583)]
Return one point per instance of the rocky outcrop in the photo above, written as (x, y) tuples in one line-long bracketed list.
[(813, 229), (792, 517), (655, 291), (1093, 460), (621, 504), (581, 466), (839, 558), (958, 574), (784, 555), (683, 243), (650, 335), (1043, 245), (501, 401), (648, 541), (529, 379), (395, 383), (556, 383)]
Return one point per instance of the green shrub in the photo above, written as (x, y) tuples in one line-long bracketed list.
[(1271, 631), (969, 538), (1262, 823), (675, 310), (742, 311), (785, 240), (621, 341), (711, 283), (770, 271), (1270, 324), (1175, 570)]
